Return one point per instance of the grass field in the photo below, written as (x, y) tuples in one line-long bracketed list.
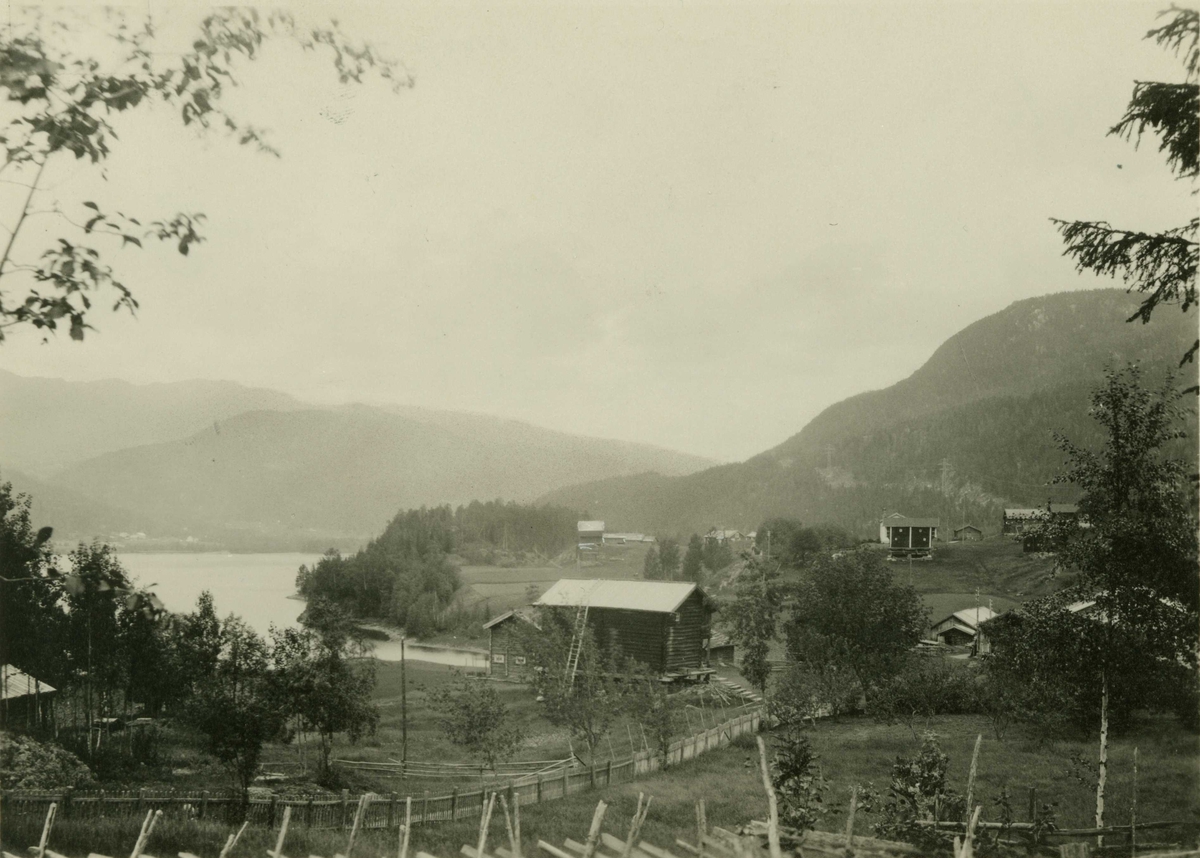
[(852, 751)]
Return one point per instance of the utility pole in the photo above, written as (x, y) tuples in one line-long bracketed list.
[(403, 709)]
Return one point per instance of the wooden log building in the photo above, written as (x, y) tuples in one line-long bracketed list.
[(910, 537), (665, 625)]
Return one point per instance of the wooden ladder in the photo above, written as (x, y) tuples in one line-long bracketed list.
[(576, 644)]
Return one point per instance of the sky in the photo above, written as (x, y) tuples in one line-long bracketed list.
[(694, 226)]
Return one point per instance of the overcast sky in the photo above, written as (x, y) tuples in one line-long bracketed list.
[(690, 226)]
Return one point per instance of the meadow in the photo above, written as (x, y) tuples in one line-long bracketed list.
[(853, 751)]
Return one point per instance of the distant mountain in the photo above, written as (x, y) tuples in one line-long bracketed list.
[(291, 473), (48, 423), (966, 434)]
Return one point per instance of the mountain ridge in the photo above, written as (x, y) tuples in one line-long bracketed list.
[(968, 432)]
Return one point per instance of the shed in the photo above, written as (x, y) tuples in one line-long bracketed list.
[(1019, 519), (720, 649), (962, 627), (25, 701), (968, 533), (663, 624), (910, 537), (506, 653)]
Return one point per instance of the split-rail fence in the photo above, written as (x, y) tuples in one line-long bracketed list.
[(382, 811)]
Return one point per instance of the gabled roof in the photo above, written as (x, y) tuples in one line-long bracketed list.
[(659, 597), (18, 683), (966, 527), (520, 614), (902, 521), (970, 617), (590, 526)]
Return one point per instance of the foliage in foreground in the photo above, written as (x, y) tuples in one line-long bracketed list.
[(29, 764)]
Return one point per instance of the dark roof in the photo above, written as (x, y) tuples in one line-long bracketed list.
[(966, 527), (911, 522)]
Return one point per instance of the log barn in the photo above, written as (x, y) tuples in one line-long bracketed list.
[(663, 624)]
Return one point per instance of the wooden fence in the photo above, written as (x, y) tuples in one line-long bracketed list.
[(382, 811)]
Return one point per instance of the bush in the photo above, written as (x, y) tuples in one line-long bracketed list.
[(923, 688), (918, 791), (798, 782), (28, 764)]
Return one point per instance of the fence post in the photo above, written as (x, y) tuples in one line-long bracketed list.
[(1033, 804), (345, 806), (66, 802), (271, 810), (454, 804), (100, 806), (391, 810), (592, 775), (608, 774), (141, 802), (538, 795), (308, 813), (425, 808), (566, 771), (204, 804), (510, 793)]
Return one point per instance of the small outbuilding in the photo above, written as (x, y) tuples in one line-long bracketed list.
[(720, 649), (506, 652), (962, 628), (968, 533), (663, 624)]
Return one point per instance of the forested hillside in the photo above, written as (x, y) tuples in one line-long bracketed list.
[(967, 434)]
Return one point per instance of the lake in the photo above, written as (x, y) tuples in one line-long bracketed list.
[(258, 587)]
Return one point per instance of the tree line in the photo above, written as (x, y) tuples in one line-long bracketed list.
[(407, 576)]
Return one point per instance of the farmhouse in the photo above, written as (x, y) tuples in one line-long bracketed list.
[(662, 624), (718, 535), (24, 700), (910, 537), (1017, 520), (589, 533), (968, 533), (962, 628)]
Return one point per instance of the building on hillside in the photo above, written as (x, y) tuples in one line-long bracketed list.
[(25, 701), (589, 533), (911, 537), (720, 649), (968, 533), (962, 629), (626, 538), (663, 624), (719, 535), (506, 652), (1018, 520), (883, 525)]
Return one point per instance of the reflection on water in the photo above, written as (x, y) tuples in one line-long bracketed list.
[(259, 587)]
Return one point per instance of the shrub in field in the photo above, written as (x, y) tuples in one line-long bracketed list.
[(798, 782), (808, 691), (29, 764), (924, 687), (472, 716), (918, 791)]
